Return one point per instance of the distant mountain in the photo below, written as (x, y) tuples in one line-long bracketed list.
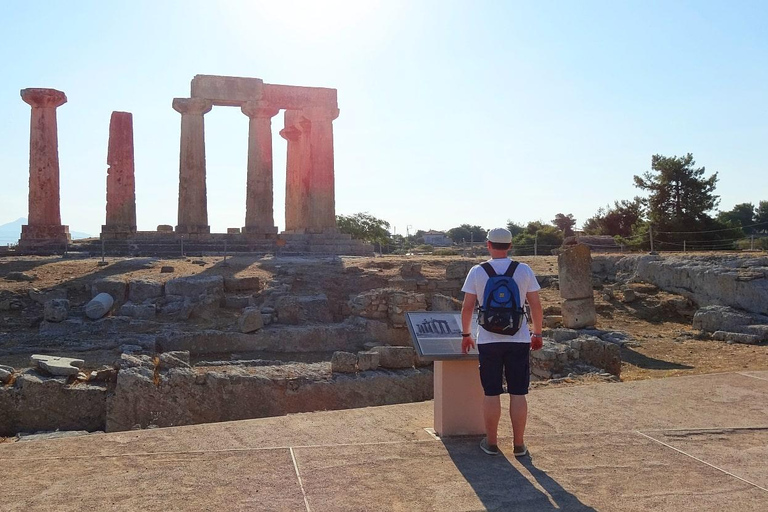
[(10, 233)]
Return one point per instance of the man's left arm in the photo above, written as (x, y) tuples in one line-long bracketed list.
[(537, 317)]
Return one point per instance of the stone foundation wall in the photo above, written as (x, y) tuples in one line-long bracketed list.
[(736, 281)]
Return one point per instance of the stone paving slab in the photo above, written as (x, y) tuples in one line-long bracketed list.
[(697, 401), (743, 453), (260, 480), (601, 447), (566, 472)]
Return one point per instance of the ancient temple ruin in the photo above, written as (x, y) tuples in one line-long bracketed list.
[(310, 213)]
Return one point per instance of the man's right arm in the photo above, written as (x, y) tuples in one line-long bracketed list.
[(467, 308)]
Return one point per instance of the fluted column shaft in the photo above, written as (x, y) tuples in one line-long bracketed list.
[(193, 204), (121, 182), (259, 208), (322, 209), (43, 228), (44, 202), (298, 169)]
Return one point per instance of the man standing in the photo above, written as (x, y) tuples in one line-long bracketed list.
[(502, 353)]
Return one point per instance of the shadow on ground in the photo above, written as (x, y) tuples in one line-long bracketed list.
[(501, 485), (642, 361)]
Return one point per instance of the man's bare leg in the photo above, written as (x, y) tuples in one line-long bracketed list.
[(518, 413), (492, 414)]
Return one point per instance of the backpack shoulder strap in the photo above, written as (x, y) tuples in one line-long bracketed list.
[(511, 268), (488, 269)]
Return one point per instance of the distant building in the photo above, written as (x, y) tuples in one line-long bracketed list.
[(437, 239)]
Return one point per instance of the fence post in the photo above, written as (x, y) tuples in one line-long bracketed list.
[(650, 232)]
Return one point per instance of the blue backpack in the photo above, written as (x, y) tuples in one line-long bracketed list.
[(502, 310)]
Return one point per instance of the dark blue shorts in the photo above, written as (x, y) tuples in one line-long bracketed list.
[(508, 359)]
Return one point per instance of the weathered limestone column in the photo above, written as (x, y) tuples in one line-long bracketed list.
[(574, 268), (322, 208), (297, 178), (193, 204), (44, 226), (121, 181), (259, 212)]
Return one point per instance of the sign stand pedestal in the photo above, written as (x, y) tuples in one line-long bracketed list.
[(458, 398)]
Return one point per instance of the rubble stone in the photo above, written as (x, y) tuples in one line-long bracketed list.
[(444, 303), (56, 310), (195, 286), (395, 357), (143, 289), (19, 276), (736, 337), (114, 286), (241, 284), (343, 362), (55, 365), (250, 320), (174, 359), (41, 297), (367, 360)]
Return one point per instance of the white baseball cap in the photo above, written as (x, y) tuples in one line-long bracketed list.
[(499, 236)]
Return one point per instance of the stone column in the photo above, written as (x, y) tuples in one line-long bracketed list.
[(44, 219), (322, 209), (121, 182), (574, 268), (193, 205), (259, 212), (297, 184)]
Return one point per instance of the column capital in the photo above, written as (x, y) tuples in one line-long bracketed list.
[(259, 109), (320, 113), (43, 98), (192, 105)]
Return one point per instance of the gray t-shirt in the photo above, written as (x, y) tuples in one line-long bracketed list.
[(475, 283)]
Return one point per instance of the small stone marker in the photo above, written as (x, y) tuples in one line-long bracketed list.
[(233, 231), (165, 228), (63, 366), (343, 362), (167, 270), (99, 306)]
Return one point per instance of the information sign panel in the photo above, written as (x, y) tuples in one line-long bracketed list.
[(436, 335)]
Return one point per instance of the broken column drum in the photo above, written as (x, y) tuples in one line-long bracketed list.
[(574, 266), (121, 182), (193, 207), (44, 219)]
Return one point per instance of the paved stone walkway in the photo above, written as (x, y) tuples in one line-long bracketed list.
[(678, 444)]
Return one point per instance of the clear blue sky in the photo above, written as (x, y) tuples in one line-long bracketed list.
[(451, 111)]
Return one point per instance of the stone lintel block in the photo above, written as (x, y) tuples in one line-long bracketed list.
[(192, 106), (193, 229), (579, 313), (297, 98), (43, 98), (574, 267), (55, 365), (227, 90)]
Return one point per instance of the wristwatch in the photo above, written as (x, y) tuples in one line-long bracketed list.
[(466, 335), (535, 335)]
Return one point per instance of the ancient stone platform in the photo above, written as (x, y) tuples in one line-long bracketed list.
[(686, 443)]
